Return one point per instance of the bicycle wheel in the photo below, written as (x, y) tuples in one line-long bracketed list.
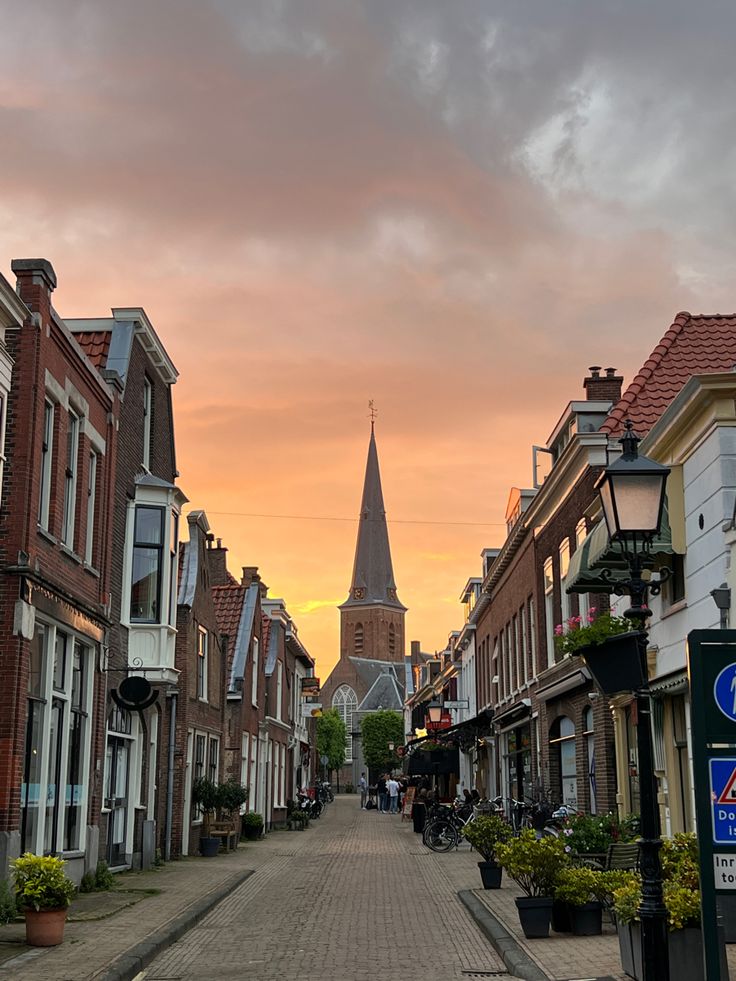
[(441, 836)]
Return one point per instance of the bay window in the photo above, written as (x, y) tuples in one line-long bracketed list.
[(145, 594)]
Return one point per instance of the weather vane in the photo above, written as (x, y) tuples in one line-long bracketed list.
[(372, 411)]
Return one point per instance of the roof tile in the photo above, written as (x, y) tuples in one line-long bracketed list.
[(95, 344)]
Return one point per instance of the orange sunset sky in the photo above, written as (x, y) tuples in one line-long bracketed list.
[(451, 208)]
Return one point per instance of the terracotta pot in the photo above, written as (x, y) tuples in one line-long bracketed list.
[(45, 928)]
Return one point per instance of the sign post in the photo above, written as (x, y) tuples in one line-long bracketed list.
[(711, 660)]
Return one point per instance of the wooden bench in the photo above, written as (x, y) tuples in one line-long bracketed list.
[(622, 857), (226, 832)]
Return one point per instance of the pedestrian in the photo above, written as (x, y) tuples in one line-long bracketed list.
[(393, 792), (381, 787), (363, 785)]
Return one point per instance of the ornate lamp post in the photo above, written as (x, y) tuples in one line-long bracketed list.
[(632, 491)]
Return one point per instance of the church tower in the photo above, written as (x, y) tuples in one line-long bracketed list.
[(369, 675)]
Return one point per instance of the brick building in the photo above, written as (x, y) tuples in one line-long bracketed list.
[(144, 520), (55, 583), (370, 672)]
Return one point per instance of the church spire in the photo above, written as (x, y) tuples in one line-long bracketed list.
[(373, 575)]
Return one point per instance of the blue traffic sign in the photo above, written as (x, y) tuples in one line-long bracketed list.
[(724, 691), (723, 800)]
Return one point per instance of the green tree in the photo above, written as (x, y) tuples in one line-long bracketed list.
[(378, 730), (331, 737)]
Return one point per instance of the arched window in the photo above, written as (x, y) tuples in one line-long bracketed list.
[(562, 757), (346, 702), (590, 753), (391, 639), (358, 638)]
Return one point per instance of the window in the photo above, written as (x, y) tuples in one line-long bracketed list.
[(47, 454), (173, 555), (562, 741), (358, 638), (254, 679), (549, 611), (346, 702), (70, 480), (510, 654), (202, 663), (583, 598), (213, 759), (2, 439), (253, 785), (145, 594), (673, 590), (200, 748), (503, 680), (564, 566), (589, 735), (391, 639), (518, 657), (244, 765), (147, 402), (532, 639), (279, 687), (523, 656), (682, 784), (56, 765), (91, 495)]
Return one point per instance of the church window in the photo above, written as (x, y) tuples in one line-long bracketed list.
[(358, 638), (346, 702), (391, 639)]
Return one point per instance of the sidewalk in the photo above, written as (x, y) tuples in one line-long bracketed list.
[(107, 934)]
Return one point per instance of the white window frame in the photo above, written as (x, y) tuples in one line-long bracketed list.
[(69, 512), (203, 662), (147, 403), (583, 598), (279, 688), (549, 610), (346, 702), (253, 801), (564, 557), (254, 678), (47, 462), (532, 637), (523, 649), (245, 766), (91, 504)]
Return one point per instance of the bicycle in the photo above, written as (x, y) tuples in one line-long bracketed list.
[(442, 831)]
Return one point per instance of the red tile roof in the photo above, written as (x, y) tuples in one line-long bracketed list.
[(695, 344), (228, 609), (95, 344)]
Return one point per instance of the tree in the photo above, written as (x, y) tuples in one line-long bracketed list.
[(331, 736), (378, 729)]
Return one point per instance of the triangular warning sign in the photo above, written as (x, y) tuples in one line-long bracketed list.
[(728, 794)]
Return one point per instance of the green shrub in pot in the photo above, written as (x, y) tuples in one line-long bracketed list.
[(252, 825), (40, 883), (486, 833), (534, 864)]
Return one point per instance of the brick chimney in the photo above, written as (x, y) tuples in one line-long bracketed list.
[(603, 388), (35, 282), (250, 574), (217, 562)]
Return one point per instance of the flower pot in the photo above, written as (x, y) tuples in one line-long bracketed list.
[(561, 917), (616, 663), (726, 903), (418, 816), (252, 834), (45, 928), (490, 874), (209, 847), (625, 946), (587, 920), (534, 915)]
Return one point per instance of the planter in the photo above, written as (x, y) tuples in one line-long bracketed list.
[(490, 874), (418, 816), (534, 915), (685, 953), (726, 903), (209, 847), (253, 834), (615, 664), (561, 917), (587, 920), (45, 928)]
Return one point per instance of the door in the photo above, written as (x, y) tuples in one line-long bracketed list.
[(116, 798)]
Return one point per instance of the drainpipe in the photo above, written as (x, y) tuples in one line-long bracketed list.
[(170, 777)]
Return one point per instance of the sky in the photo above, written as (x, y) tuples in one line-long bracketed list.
[(452, 209)]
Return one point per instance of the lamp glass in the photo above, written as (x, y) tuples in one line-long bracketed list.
[(638, 501), (434, 710)]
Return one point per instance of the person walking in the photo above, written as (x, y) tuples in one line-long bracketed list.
[(381, 788), (393, 792), (363, 786)]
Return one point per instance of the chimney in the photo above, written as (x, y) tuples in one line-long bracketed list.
[(250, 574), (415, 649), (35, 282), (217, 562), (603, 388)]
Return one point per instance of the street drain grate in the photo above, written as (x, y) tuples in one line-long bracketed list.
[(485, 974)]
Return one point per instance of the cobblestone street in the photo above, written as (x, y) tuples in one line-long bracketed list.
[(363, 901)]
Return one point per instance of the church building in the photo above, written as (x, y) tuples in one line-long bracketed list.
[(370, 673)]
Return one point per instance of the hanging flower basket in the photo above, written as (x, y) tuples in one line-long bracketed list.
[(616, 663)]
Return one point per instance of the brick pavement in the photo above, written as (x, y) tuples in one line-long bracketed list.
[(365, 900)]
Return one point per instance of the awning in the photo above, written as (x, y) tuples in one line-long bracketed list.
[(575, 680), (672, 684), (471, 729), (596, 552)]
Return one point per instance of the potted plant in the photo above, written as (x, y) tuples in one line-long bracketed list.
[(534, 864), (485, 833), (580, 889), (252, 825), (206, 795), (43, 892), (605, 642)]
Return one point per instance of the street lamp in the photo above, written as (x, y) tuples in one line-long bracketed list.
[(632, 491), (434, 711)]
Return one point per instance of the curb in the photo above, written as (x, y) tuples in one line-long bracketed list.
[(127, 966), (514, 956)]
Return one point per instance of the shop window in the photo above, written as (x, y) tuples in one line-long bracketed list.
[(589, 736), (684, 789), (346, 702), (562, 750), (518, 762)]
